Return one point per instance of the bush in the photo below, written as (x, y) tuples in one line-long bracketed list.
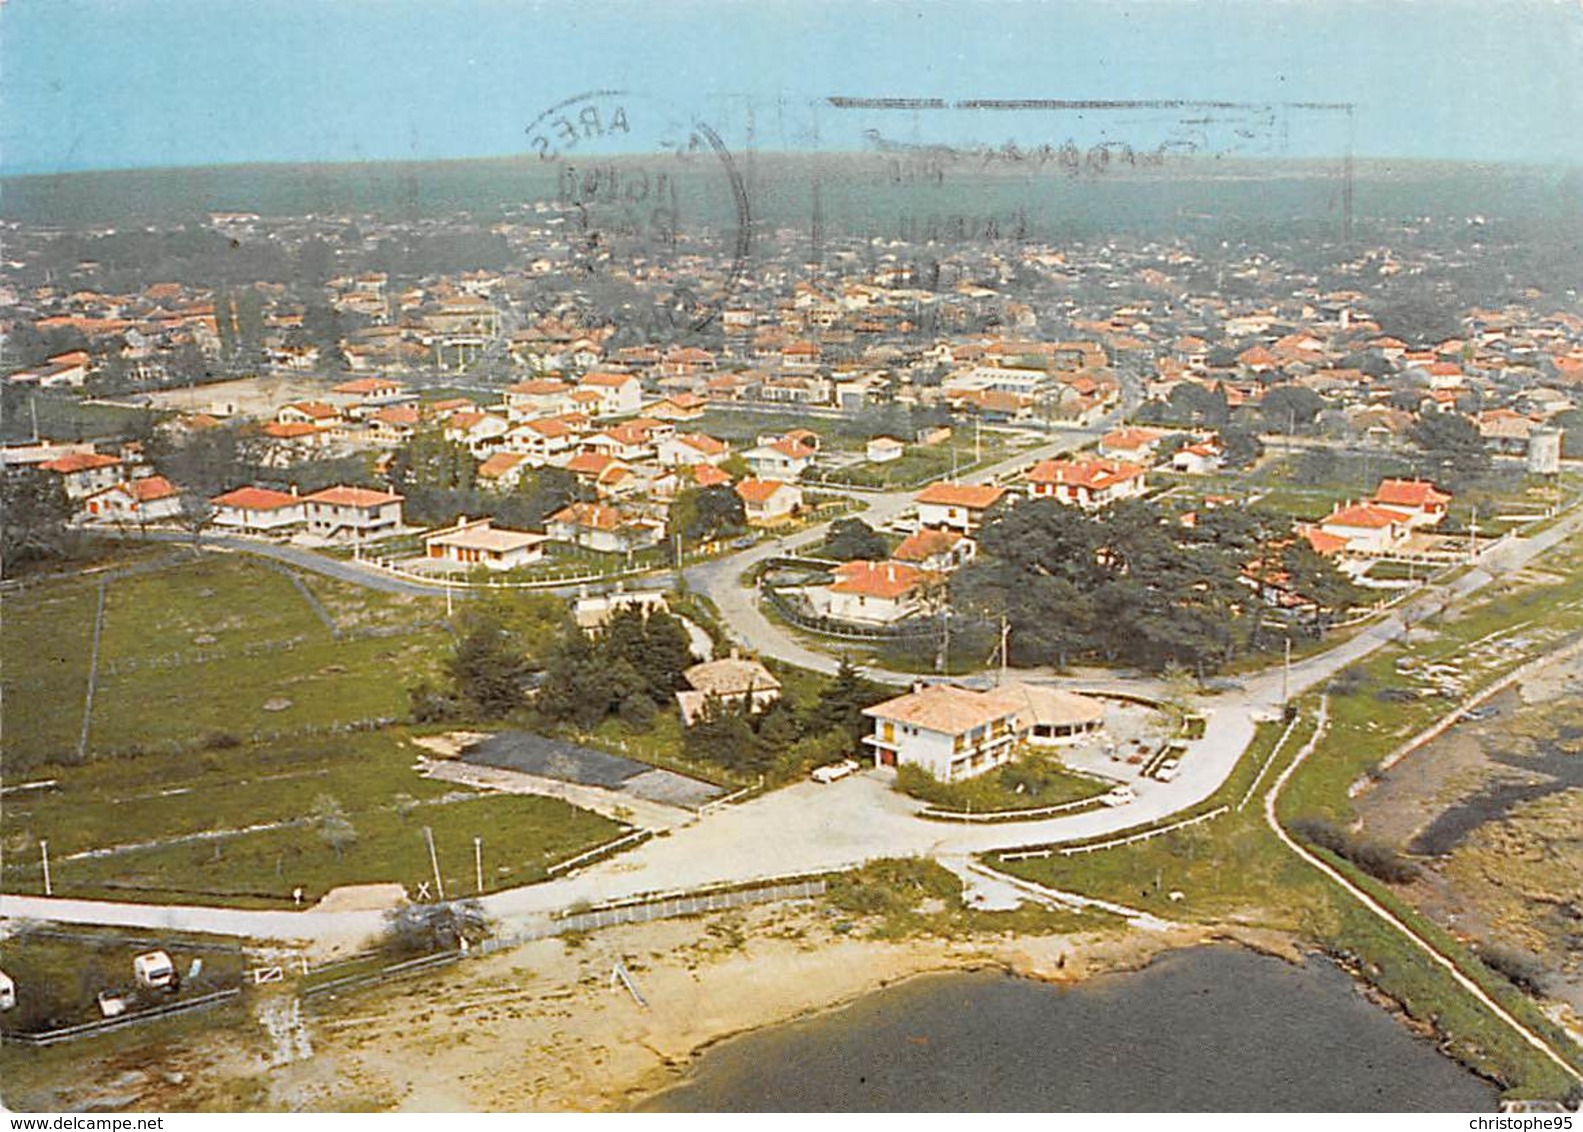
[(1379, 860), (1523, 971), (423, 929), (221, 741)]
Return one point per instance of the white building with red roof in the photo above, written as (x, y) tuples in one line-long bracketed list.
[(1424, 503), (871, 593), (259, 511), (769, 502), (1367, 527), (598, 526), (935, 549), (960, 506), (784, 459), (1089, 484), (84, 473), (620, 394), (353, 514), (1133, 444), (477, 542), (149, 499), (503, 471), (688, 448)]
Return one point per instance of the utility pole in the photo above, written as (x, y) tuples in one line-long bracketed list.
[(478, 863), (43, 851), (1473, 536), (1286, 672), (434, 860), (1005, 660)]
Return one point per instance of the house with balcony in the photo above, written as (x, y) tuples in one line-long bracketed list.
[(619, 394), (960, 506), (952, 733), (258, 511), (353, 514), (85, 473), (1089, 484)]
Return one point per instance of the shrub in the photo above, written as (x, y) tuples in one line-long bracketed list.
[(1523, 971), (1379, 860)]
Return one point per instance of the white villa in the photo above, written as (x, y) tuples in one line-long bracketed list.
[(477, 543)]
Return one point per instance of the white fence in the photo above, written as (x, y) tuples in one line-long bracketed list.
[(659, 909), (1116, 841)]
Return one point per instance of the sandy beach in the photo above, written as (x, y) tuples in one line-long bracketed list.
[(541, 1028)]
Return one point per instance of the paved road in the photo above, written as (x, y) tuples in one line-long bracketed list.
[(809, 827), (720, 580)]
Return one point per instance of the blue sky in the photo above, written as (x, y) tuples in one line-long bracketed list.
[(129, 83)]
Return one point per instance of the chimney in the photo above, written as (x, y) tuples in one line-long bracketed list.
[(294, 490)]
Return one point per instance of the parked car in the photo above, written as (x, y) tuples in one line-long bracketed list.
[(834, 771), (1168, 769), (1120, 796)]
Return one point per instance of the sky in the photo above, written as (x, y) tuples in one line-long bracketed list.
[(140, 83)]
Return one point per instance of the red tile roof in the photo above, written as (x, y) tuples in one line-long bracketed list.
[(353, 497), (758, 491), (1410, 493), (877, 579), (976, 497), (255, 499), (80, 462)]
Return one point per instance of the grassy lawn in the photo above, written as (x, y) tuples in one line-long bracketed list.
[(44, 654), (907, 897), (743, 428), (265, 800), (919, 463), (1045, 783), (197, 651)]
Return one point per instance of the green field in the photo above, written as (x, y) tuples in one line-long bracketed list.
[(220, 646), (247, 825), (240, 744)]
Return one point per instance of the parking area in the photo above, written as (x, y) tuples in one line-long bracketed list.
[(567, 762)]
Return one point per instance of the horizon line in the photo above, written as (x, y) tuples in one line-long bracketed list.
[(527, 156)]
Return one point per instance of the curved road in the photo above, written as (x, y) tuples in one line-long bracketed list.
[(808, 827)]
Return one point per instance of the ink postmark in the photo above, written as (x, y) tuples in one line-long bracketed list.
[(650, 195)]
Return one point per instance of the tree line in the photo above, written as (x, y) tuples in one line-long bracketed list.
[(1132, 584)]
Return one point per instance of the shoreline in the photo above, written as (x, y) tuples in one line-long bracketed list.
[(1102, 955), (542, 1029)]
